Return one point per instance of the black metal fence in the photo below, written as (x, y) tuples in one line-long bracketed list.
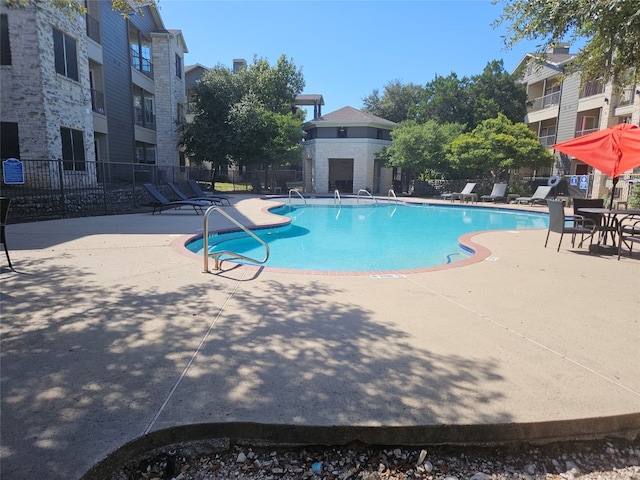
[(57, 189)]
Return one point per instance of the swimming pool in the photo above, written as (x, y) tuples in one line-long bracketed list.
[(371, 237)]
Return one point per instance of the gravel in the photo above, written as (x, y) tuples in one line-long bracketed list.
[(597, 460)]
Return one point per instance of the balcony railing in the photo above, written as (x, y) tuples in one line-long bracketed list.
[(141, 64), (547, 101), (93, 28), (586, 131), (97, 101), (591, 88), (626, 97), (547, 140), (144, 118)]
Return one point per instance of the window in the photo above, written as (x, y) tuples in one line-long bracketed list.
[(144, 109), (73, 149), (178, 66), (9, 143), (145, 153), (65, 54), (5, 47), (140, 53), (180, 114)]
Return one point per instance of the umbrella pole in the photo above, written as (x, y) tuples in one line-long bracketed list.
[(613, 191)]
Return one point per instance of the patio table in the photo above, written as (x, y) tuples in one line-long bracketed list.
[(610, 225)]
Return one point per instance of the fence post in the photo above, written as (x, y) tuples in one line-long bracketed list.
[(63, 209)]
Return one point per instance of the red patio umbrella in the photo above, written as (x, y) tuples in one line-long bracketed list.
[(613, 150)]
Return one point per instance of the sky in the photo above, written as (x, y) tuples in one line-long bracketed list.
[(347, 49)]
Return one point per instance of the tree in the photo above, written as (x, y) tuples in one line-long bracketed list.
[(612, 28), (397, 103), (446, 100), (71, 7), (421, 147), (496, 146), (496, 91), (246, 117)]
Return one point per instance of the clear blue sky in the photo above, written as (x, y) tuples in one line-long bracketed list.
[(346, 49)]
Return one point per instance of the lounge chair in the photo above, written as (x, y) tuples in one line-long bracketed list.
[(282, 185), (539, 196), (467, 190), (257, 188), (198, 192), (181, 196), (163, 203), (499, 192), (558, 224)]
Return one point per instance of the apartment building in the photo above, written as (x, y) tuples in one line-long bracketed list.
[(90, 89), (564, 107)]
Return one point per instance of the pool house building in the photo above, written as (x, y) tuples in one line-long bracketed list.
[(340, 152)]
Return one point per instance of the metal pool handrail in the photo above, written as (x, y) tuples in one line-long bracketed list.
[(362, 190), (298, 193), (216, 255), (390, 194), (336, 195)]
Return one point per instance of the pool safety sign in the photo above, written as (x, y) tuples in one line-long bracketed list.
[(584, 182), (13, 171)]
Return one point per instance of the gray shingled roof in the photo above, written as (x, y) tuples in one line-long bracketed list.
[(353, 115)]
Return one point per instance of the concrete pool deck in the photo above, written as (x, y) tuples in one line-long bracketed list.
[(110, 332)]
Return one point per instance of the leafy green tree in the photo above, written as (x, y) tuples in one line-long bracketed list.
[(496, 146), (71, 7), (397, 103), (446, 100), (209, 138), (612, 28), (422, 147), (496, 91), (246, 117)]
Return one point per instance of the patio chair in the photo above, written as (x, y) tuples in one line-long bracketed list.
[(596, 218), (4, 213), (558, 224), (467, 190), (163, 203), (181, 196), (499, 192), (629, 233), (539, 196), (198, 192)]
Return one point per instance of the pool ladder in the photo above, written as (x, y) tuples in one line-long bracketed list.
[(216, 255), (368, 193), (293, 190)]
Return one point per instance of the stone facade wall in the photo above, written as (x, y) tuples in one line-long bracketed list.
[(21, 88), (169, 92), (41, 100), (363, 151)]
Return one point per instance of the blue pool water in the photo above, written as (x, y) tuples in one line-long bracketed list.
[(370, 237)]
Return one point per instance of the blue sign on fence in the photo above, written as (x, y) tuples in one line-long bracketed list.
[(584, 182), (13, 171), (574, 180)]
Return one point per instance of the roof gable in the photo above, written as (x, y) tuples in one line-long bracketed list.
[(352, 116)]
